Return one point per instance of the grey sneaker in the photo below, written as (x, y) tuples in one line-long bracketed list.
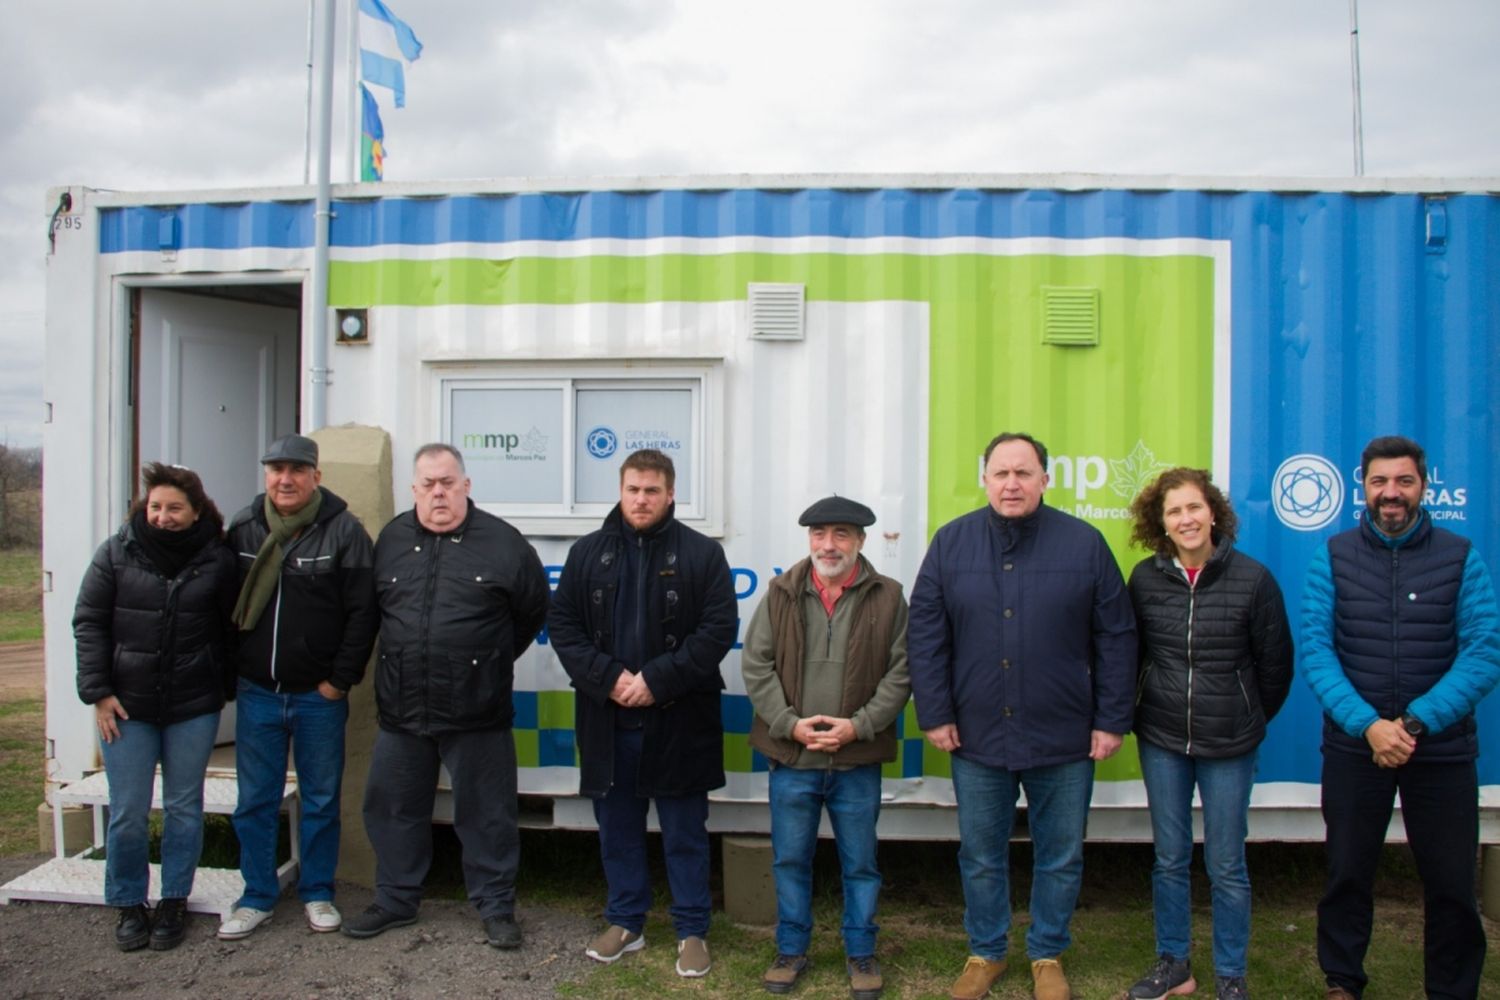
[(1169, 977), (783, 973), (614, 942), (692, 958), (1231, 988)]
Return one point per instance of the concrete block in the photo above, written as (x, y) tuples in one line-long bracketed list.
[(1489, 880), (749, 886), (356, 464), (78, 829)]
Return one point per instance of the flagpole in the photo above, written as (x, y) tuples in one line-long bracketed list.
[(351, 60), (317, 367), (307, 116), (1359, 115)]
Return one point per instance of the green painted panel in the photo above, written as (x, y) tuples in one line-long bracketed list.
[(528, 751), (554, 709)]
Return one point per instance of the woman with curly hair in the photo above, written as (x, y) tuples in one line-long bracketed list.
[(150, 627), (1215, 666)]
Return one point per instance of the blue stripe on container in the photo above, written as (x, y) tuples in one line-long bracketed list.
[(736, 712), (555, 748), (525, 703)]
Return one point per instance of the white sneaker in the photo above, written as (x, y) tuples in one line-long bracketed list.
[(242, 922), (323, 916)]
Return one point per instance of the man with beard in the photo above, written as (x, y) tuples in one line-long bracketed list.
[(825, 668), (1400, 643), (644, 613)]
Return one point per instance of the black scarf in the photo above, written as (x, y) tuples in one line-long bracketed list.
[(170, 551)]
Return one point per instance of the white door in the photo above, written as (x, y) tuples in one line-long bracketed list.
[(218, 382)]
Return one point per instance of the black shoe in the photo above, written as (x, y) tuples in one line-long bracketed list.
[(170, 925), (503, 932), (134, 928), (374, 921)]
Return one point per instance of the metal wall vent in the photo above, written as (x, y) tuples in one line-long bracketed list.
[(777, 312), (1070, 316)]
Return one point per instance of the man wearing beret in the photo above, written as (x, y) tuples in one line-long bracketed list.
[(824, 663), (307, 620)]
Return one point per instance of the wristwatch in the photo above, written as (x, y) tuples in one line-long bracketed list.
[(1413, 725)]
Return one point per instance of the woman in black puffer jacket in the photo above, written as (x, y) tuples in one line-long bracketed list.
[(1215, 667), (150, 628)]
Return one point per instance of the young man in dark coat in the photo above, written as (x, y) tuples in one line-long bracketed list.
[(643, 615), (461, 596)]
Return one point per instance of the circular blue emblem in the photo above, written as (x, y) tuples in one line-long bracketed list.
[(1306, 492), (601, 442)]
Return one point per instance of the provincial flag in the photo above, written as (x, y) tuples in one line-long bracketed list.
[(372, 139), (386, 43)]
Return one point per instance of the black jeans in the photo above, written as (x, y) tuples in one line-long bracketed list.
[(398, 816), (1440, 806)]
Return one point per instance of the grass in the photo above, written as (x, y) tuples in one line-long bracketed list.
[(20, 595), (22, 724)]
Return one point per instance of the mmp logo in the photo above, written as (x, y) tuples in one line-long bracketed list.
[(602, 442), (1307, 492)]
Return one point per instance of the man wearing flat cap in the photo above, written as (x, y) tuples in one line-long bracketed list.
[(307, 620), (824, 663)]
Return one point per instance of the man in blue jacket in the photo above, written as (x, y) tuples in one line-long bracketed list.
[(1022, 652), (1400, 643), (643, 614)]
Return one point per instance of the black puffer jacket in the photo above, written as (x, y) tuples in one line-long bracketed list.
[(158, 645), (322, 622), (456, 609), (1216, 658)]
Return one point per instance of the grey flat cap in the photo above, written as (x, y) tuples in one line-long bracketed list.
[(837, 510), (293, 448)]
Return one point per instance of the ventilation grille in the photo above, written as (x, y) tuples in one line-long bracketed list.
[(777, 312), (1070, 316)]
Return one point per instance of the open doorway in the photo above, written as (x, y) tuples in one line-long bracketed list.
[(213, 381)]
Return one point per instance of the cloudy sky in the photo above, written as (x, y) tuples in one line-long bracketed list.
[(172, 94)]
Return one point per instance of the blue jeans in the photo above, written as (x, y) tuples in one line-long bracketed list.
[(797, 800), (1224, 785), (264, 723), (1057, 806), (621, 816), (130, 762)]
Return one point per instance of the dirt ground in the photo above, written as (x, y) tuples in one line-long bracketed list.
[(56, 950), (21, 671)]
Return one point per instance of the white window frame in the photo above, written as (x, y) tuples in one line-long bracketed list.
[(704, 378)]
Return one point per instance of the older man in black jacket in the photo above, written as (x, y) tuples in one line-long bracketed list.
[(461, 596), (642, 617)]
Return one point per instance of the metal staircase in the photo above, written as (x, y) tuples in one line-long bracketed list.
[(80, 878)]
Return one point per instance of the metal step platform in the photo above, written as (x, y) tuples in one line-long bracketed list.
[(80, 879)]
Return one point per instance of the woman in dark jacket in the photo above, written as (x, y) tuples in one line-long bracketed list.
[(1215, 666), (150, 628)]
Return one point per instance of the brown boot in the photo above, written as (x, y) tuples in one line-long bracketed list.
[(978, 976), (1048, 981)]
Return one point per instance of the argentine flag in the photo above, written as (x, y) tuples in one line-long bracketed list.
[(385, 43)]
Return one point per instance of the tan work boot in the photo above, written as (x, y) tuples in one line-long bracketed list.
[(978, 976), (1048, 981)]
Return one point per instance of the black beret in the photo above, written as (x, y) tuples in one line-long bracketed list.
[(294, 448), (837, 510)]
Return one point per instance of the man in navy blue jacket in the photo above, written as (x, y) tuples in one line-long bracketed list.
[(1400, 643), (1022, 652), (643, 614)]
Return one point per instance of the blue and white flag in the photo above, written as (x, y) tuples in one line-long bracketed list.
[(385, 43)]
